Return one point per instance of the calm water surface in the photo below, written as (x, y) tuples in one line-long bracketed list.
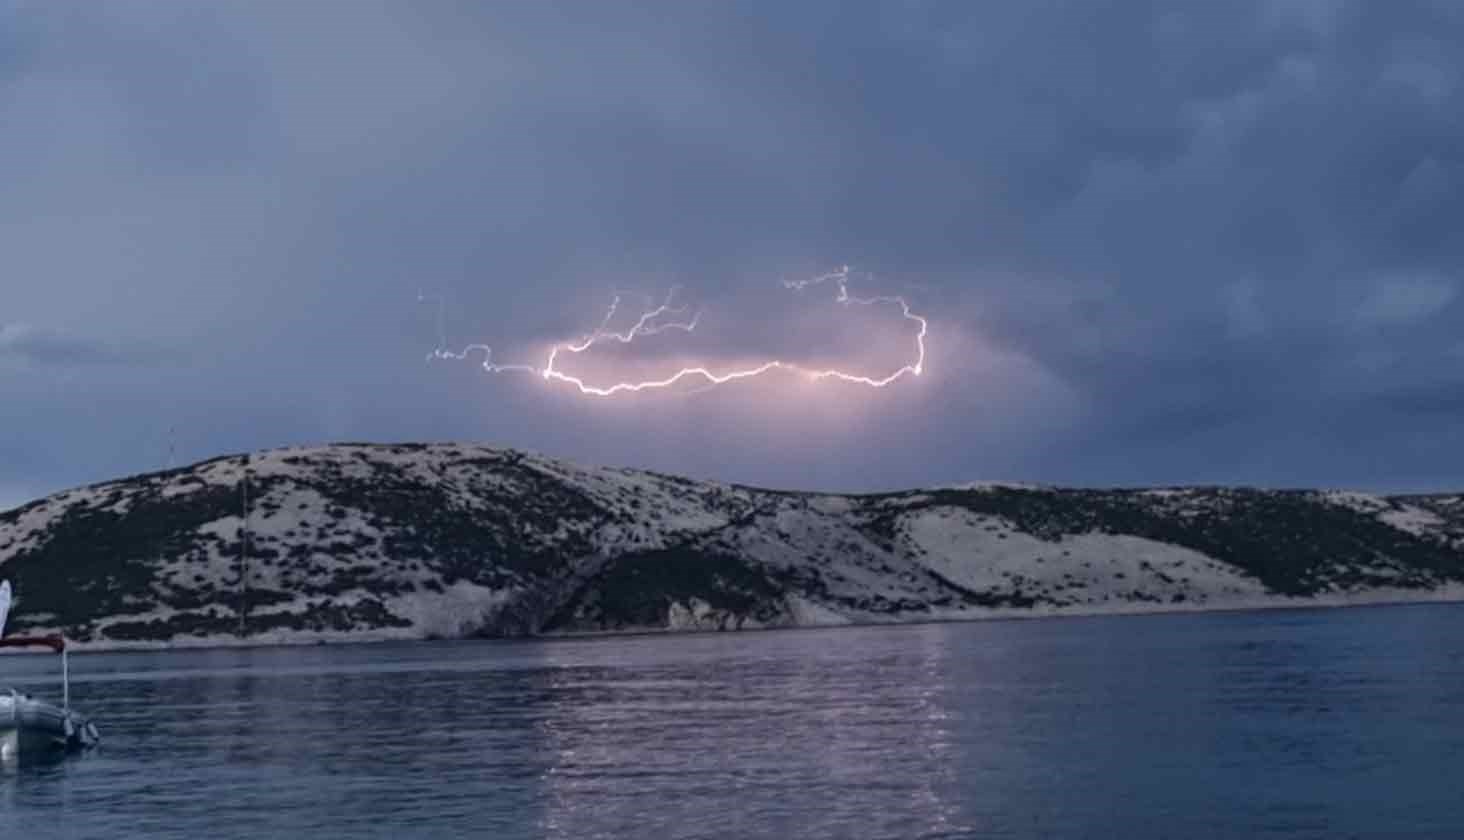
[(1295, 724)]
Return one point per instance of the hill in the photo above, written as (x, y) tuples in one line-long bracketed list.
[(357, 541)]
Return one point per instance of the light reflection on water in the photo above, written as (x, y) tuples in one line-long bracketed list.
[(1289, 724), (733, 733)]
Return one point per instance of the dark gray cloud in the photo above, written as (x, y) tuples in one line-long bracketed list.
[(1159, 241), (30, 345)]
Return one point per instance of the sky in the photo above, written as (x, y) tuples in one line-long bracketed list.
[(1155, 243)]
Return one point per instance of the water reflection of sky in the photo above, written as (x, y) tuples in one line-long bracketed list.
[(1225, 725)]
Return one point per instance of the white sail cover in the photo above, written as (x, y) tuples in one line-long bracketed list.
[(4, 604)]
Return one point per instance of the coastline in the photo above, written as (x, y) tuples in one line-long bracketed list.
[(1451, 594)]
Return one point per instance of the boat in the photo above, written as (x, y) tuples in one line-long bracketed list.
[(32, 729)]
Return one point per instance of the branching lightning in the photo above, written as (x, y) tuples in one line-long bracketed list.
[(667, 317)]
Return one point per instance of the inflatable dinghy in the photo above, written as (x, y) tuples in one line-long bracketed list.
[(34, 729)]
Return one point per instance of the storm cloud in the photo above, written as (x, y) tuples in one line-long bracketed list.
[(1158, 242)]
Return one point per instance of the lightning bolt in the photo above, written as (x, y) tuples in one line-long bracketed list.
[(666, 317)]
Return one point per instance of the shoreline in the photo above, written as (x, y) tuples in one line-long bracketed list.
[(1444, 595)]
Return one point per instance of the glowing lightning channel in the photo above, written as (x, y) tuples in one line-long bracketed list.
[(650, 323)]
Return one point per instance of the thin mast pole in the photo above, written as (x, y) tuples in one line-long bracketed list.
[(244, 549)]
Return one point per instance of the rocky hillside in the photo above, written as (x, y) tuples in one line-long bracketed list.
[(415, 541)]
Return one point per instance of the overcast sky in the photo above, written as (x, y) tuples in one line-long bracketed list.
[(1156, 242)]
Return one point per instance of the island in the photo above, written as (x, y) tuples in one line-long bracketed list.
[(363, 542)]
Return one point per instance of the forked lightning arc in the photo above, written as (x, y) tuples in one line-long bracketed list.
[(664, 318)]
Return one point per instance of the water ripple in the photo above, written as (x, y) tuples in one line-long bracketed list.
[(1309, 724)]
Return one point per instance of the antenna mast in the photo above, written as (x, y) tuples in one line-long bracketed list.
[(244, 548)]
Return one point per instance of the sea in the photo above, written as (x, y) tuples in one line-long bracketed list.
[(1277, 724)]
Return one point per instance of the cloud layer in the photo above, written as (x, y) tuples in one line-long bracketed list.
[(1159, 242)]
